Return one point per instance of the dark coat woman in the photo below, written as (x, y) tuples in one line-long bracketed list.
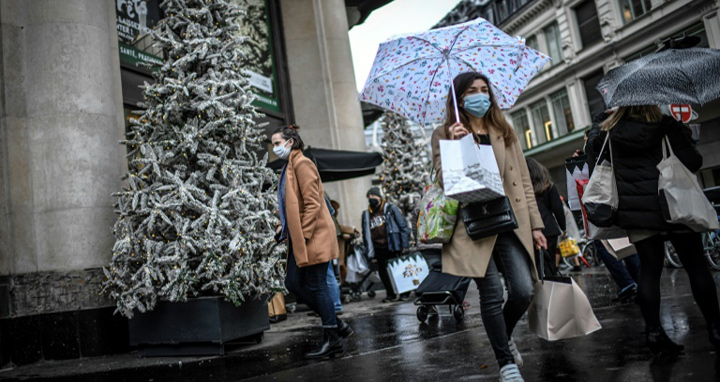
[(636, 135), (551, 210)]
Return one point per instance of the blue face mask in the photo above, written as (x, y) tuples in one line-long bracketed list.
[(477, 104)]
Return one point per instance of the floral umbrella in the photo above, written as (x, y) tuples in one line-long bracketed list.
[(412, 74)]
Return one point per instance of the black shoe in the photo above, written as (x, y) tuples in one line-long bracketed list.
[(332, 346), (628, 294), (390, 299), (714, 332), (659, 342), (344, 329)]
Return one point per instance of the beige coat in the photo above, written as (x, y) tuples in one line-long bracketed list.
[(312, 230), (466, 257)]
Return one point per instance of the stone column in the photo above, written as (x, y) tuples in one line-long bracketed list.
[(61, 119), (323, 89)]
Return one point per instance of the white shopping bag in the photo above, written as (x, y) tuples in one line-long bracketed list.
[(406, 273), (620, 248), (470, 171), (576, 169)]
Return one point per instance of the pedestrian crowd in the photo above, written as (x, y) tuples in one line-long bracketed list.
[(504, 265)]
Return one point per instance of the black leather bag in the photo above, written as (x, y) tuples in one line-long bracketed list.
[(489, 218)]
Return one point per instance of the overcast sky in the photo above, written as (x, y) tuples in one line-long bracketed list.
[(398, 17)]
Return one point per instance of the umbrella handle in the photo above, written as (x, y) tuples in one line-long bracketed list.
[(452, 86)]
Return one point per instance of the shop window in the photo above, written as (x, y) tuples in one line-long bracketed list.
[(632, 9), (596, 103), (588, 23), (552, 37), (522, 128), (563, 112), (541, 122)]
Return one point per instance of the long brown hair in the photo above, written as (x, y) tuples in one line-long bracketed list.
[(493, 118), (539, 175), (644, 113)]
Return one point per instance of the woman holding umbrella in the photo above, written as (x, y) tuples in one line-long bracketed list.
[(307, 224), (512, 252), (636, 135)]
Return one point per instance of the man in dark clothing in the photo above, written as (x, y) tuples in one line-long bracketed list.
[(386, 236)]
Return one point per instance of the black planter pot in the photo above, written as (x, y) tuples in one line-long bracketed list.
[(200, 326)]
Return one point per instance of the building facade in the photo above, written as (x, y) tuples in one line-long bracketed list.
[(585, 39), (69, 82)]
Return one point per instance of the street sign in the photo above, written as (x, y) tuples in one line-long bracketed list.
[(682, 113)]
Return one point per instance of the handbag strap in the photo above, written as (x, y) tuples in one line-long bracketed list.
[(667, 147), (609, 144)]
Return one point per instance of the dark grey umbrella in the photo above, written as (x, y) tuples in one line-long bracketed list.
[(682, 76)]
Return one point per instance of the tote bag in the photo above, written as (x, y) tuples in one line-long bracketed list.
[(681, 198), (600, 196)]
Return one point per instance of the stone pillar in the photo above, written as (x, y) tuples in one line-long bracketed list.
[(323, 89), (61, 119)]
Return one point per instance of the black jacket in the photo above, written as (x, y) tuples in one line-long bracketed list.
[(636, 152), (552, 212), (398, 232)]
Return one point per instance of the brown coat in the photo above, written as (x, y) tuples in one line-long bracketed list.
[(463, 256), (312, 231)]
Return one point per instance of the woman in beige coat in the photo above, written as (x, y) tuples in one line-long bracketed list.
[(307, 224), (511, 253)]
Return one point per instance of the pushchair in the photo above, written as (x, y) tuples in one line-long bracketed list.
[(441, 289), (361, 273)]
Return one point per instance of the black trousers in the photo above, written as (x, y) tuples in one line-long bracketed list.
[(383, 256)]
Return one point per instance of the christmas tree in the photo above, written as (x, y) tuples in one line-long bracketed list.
[(405, 172), (197, 214)]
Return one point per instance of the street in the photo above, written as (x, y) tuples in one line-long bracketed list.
[(390, 345)]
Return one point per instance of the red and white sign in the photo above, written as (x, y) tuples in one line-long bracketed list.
[(682, 113)]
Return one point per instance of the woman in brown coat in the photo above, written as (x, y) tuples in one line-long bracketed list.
[(307, 224), (510, 253)]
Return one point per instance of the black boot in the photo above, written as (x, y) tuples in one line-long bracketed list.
[(714, 332), (332, 345), (659, 342), (344, 329)]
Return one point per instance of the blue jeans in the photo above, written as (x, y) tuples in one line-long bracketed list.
[(311, 285), (624, 275), (334, 287), (510, 257)]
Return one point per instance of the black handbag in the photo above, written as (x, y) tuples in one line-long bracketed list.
[(489, 218)]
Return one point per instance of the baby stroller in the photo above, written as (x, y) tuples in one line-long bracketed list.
[(441, 289), (361, 273)]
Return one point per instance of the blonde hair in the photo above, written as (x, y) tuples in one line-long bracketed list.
[(644, 113), (493, 117)]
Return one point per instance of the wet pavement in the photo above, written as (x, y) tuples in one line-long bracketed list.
[(391, 345)]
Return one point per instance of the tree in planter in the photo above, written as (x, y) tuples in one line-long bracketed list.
[(406, 161), (197, 215)]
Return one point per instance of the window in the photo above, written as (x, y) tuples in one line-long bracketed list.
[(588, 23), (541, 121), (532, 42), (502, 10), (522, 128), (632, 9), (596, 104), (563, 113), (552, 36)]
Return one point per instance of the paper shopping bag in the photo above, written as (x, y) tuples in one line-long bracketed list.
[(406, 273), (470, 171), (620, 248), (560, 310), (576, 169)]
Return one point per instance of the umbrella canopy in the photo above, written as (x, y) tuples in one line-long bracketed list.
[(674, 76), (412, 74), (335, 165)]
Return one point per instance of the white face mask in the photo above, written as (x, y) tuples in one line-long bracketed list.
[(282, 151)]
